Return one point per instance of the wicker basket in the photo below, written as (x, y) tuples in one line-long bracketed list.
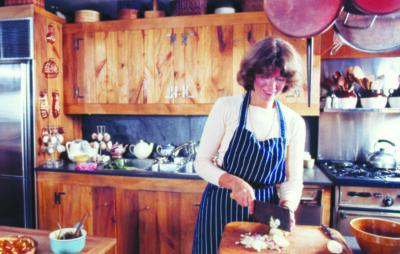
[(252, 5), (38, 3), (188, 7)]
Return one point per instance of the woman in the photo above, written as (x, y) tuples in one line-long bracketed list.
[(251, 143)]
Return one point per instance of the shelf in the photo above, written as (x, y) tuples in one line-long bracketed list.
[(361, 110)]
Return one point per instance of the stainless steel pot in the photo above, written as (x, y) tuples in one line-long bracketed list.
[(369, 33), (381, 158)]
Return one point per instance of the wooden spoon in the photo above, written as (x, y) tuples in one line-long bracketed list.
[(78, 229)]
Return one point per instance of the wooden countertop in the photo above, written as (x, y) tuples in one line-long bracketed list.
[(94, 245)]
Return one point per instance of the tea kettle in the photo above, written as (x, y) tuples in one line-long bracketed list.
[(141, 150), (382, 158)]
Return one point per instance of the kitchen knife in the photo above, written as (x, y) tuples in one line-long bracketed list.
[(329, 232), (264, 211)]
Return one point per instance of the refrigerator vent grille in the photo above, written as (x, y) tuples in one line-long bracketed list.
[(15, 39)]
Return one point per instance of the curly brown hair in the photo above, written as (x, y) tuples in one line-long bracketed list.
[(266, 55)]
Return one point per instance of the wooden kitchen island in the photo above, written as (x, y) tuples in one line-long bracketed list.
[(145, 212), (93, 245)]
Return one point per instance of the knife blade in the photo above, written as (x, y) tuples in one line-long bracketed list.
[(329, 232), (264, 211)]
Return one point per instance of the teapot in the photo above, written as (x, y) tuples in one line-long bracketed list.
[(165, 150), (79, 147), (141, 150), (382, 158), (117, 150)]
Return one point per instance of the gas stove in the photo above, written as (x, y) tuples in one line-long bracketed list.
[(358, 173)]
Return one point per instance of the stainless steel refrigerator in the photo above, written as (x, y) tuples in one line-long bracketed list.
[(16, 124)]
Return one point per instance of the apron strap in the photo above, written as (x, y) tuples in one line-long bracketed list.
[(243, 109), (281, 119)]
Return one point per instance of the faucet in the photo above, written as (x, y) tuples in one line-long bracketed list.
[(192, 151)]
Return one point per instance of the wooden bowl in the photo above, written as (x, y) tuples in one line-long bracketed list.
[(375, 235)]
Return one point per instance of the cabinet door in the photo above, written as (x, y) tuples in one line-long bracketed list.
[(74, 202), (159, 222), (189, 209)]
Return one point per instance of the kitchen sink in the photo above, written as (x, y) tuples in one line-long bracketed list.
[(131, 164)]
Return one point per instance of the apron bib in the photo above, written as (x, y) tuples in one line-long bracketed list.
[(260, 163)]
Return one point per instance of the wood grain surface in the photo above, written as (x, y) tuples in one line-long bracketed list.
[(303, 239), (94, 245)]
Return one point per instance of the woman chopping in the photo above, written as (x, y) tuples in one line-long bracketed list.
[(251, 143)]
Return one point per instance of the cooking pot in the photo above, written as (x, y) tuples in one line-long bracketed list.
[(375, 7), (368, 33), (382, 158), (302, 19)]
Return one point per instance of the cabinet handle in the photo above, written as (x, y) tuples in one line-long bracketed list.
[(147, 208), (76, 43), (77, 91), (57, 197), (172, 36), (185, 37), (198, 205), (295, 93), (185, 92)]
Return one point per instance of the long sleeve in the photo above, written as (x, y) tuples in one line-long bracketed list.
[(213, 133), (291, 189)]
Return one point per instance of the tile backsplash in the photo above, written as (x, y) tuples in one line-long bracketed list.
[(176, 130)]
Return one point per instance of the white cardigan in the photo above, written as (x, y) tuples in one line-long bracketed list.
[(264, 123)]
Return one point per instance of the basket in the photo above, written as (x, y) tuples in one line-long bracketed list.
[(188, 7), (38, 3), (252, 5), (86, 16)]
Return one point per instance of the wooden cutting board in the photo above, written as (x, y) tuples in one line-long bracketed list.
[(303, 239)]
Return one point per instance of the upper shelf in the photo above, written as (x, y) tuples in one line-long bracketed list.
[(380, 110)]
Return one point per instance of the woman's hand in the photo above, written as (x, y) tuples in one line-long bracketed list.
[(292, 217), (242, 192)]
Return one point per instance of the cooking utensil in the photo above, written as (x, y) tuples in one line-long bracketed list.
[(381, 158), (368, 33), (297, 19), (59, 232), (381, 7), (78, 228), (329, 232), (264, 211)]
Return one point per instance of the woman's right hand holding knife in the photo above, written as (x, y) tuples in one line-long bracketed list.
[(242, 192)]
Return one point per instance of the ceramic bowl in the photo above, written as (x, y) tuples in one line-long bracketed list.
[(67, 246), (375, 235), (82, 158), (373, 102), (394, 102), (224, 10)]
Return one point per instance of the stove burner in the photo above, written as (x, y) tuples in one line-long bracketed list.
[(359, 170)]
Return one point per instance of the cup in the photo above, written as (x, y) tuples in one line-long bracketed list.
[(70, 246)]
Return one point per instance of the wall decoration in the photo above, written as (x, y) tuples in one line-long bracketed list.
[(51, 34), (56, 104), (43, 104), (50, 69)]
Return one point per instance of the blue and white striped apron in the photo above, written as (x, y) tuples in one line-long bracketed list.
[(260, 163)]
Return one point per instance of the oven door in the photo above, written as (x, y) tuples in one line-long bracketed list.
[(345, 216)]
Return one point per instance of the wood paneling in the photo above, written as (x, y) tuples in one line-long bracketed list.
[(166, 72)]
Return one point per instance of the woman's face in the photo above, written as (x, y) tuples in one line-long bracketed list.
[(267, 88)]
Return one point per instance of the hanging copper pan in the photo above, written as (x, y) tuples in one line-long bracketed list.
[(377, 7), (302, 19)]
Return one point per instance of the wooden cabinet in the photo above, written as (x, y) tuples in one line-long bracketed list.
[(167, 221), (146, 215), (67, 203), (173, 65)]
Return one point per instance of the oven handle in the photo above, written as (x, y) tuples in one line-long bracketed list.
[(345, 214)]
